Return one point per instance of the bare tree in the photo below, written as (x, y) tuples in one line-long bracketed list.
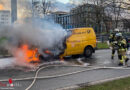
[(42, 8), (108, 9), (46, 6), (115, 8)]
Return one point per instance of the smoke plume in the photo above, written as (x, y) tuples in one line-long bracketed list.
[(8, 62), (40, 33)]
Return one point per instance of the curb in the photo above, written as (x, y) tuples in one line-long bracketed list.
[(102, 48), (5, 56), (74, 87)]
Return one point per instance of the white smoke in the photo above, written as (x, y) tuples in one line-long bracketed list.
[(38, 32), (7, 62)]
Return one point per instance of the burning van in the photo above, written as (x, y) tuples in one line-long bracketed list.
[(81, 41)]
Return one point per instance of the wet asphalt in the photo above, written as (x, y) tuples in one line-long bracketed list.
[(100, 58)]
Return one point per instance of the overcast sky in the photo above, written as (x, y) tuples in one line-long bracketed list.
[(64, 1)]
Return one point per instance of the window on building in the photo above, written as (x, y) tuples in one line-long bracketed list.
[(2, 18), (2, 22)]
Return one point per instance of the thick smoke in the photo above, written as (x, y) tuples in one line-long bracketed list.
[(40, 33), (8, 62)]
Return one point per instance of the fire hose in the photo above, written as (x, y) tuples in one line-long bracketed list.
[(89, 68)]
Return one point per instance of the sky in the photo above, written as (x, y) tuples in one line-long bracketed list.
[(64, 1)]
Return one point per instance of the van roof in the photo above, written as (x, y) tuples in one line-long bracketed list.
[(80, 28)]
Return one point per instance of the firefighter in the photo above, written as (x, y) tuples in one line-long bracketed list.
[(122, 48), (113, 42)]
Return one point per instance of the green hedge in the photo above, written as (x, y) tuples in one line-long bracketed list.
[(103, 45)]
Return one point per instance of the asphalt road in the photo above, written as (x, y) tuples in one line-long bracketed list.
[(100, 58)]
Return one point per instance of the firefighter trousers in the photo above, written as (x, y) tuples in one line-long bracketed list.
[(122, 57)]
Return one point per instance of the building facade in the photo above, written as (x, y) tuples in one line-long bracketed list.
[(5, 17), (87, 15), (62, 18), (124, 25)]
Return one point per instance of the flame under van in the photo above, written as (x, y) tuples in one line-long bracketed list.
[(81, 41)]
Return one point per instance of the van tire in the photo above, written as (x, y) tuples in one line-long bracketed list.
[(41, 57), (88, 52)]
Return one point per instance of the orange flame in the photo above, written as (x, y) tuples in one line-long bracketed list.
[(47, 52), (29, 55), (1, 7)]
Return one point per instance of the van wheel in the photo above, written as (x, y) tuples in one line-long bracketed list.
[(41, 58), (88, 52)]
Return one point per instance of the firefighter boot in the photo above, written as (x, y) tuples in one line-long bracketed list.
[(121, 63), (112, 56), (127, 59)]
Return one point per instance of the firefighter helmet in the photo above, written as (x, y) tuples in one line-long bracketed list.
[(116, 30)]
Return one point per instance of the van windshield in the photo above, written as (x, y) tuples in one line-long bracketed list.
[(69, 33)]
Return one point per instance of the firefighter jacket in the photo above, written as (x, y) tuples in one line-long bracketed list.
[(112, 40), (112, 37), (122, 45)]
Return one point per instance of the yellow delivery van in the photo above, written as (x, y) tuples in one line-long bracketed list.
[(81, 41)]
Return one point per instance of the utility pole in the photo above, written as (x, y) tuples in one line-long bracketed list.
[(101, 16), (13, 10)]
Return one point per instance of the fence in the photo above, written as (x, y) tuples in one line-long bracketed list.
[(102, 38)]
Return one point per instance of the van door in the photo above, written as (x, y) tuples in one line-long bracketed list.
[(73, 45)]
